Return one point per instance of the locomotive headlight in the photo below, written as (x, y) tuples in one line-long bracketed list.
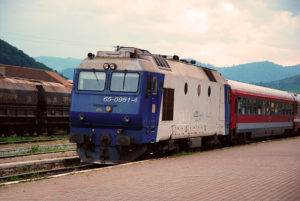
[(106, 66), (120, 130), (113, 66), (126, 119), (108, 108), (81, 117)]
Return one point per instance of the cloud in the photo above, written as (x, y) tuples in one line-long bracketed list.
[(218, 32)]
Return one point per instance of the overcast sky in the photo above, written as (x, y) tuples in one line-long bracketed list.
[(222, 33)]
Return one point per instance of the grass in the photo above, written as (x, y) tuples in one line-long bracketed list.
[(183, 154), (12, 178), (13, 139)]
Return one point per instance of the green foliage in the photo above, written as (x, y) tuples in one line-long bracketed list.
[(291, 84), (35, 148), (12, 56), (11, 178)]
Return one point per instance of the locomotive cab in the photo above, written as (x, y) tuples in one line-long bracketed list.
[(115, 107)]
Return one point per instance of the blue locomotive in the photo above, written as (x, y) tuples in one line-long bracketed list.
[(128, 103)]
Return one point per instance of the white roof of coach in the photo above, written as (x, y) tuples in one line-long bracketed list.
[(259, 90)]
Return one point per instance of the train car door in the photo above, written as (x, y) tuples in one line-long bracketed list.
[(227, 108), (156, 96)]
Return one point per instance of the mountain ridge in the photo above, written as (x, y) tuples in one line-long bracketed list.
[(11, 55), (291, 84)]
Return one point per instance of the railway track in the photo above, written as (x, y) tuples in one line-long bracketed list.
[(34, 169), (36, 149), (33, 154)]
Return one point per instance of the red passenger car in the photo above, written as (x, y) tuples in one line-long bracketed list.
[(258, 111)]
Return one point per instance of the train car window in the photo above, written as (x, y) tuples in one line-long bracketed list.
[(199, 89), (91, 81), (276, 109), (279, 109), (254, 107), (168, 104), (244, 106), (209, 91), (263, 107), (249, 106), (154, 85), (259, 107), (267, 108), (239, 105), (284, 108), (185, 88), (124, 82), (272, 108)]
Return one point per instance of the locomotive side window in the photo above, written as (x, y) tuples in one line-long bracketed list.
[(199, 89), (154, 86), (124, 82), (209, 91), (168, 105), (91, 81), (185, 88)]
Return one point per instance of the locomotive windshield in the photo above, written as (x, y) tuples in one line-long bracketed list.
[(91, 81), (124, 82)]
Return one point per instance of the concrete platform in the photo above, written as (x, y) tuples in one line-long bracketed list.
[(263, 171)]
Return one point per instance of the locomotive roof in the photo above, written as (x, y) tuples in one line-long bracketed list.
[(250, 88), (131, 58)]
